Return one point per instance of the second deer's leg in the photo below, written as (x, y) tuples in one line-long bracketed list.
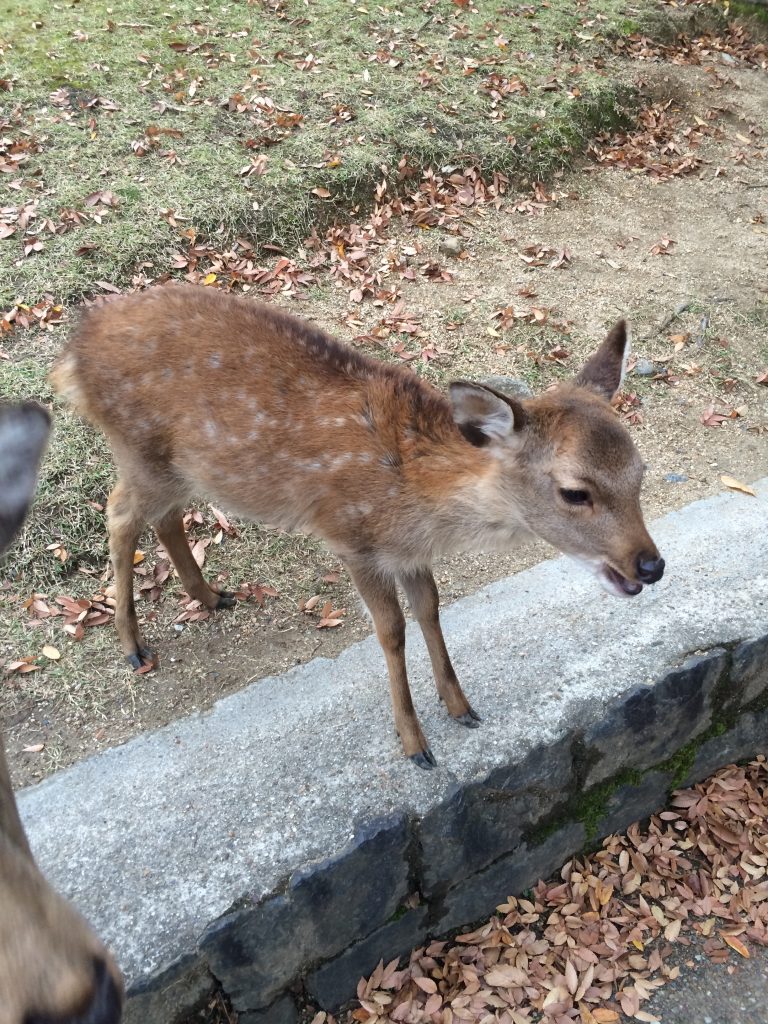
[(380, 596), (421, 590), (125, 521), (170, 530)]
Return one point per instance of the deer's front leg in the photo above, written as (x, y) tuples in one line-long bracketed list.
[(380, 595), (421, 590)]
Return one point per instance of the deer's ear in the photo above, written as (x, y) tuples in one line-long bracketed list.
[(604, 372), (23, 434), (483, 415)]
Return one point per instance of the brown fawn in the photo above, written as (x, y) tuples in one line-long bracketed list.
[(203, 393), (53, 969)]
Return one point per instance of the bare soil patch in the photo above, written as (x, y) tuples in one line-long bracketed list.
[(638, 246)]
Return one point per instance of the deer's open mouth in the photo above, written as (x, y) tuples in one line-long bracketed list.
[(619, 584)]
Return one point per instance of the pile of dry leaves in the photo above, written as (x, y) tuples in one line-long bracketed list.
[(599, 940), (733, 46), (661, 144)]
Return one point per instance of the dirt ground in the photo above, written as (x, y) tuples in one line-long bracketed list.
[(638, 247)]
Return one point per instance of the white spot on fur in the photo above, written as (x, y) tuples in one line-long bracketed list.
[(214, 360), (340, 461), (360, 509)]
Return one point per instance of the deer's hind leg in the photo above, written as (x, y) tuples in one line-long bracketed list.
[(170, 530), (125, 520), (146, 494), (127, 515)]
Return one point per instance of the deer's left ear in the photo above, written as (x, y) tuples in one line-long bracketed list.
[(485, 416), (604, 372)]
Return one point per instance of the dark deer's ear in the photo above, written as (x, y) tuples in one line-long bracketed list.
[(483, 415), (604, 372), (23, 434)]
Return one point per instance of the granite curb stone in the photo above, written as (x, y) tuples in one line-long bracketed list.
[(258, 951), (649, 724), (335, 982)]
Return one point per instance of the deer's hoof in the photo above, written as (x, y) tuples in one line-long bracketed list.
[(470, 718), (142, 659), (226, 599), (424, 759)]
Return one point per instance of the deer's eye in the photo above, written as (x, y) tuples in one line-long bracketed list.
[(574, 497)]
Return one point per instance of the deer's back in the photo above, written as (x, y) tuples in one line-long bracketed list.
[(251, 406)]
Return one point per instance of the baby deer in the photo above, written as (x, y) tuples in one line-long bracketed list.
[(53, 969), (203, 393)]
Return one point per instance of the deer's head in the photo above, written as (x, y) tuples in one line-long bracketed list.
[(567, 467)]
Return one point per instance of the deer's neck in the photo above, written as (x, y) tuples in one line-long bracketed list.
[(460, 500)]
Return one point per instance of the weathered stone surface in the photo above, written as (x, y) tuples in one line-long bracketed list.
[(634, 802), (650, 723), (749, 669), (748, 738), (478, 896), (282, 1011), (170, 995), (335, 983), (482, 822), (255, 952)]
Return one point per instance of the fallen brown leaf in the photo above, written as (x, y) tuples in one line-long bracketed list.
[(736, 485), (736, 944)]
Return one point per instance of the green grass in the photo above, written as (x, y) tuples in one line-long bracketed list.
[(756, 15), (368, 61)]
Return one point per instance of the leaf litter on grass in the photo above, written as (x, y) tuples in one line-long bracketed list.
[(267, 121), (360, 254), (597, 941)]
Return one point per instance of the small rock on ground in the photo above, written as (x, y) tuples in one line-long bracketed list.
[(644, 368), (507, 385)]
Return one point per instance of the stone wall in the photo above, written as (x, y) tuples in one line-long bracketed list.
[(405, 878)]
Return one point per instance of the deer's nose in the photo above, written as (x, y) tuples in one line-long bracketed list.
[(649, 569), (105, 1006)]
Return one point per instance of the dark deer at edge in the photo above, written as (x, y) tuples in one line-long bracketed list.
[(53, 969)]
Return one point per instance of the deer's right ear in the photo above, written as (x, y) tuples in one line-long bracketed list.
[(604, 372), (23, 434), (484, 415)]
